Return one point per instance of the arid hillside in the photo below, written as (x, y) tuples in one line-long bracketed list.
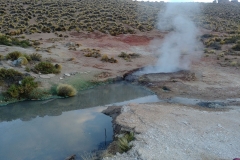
[(107, 16)]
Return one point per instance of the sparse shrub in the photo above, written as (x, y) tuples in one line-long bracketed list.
[(232, 39), (36, 57), (36, 43), (22, 89), (27, 69), (38, 93), (23, 60), (222, 42), (104, 58), (9, 41), (236, 47), (12, 91), (91, 53), (112, 60), (128, 57), (13, 55), (217, 39), (27, 57), (207, 36), (233, 63), (10, 76), (26, 86), (212, 52), (123, 142), (214, 45), (134, 55), (46, 68), (205, 50), (23, 43), (4, 40), (1, 57), (66, 90), (124, 55), (221, 54), (58, 66)]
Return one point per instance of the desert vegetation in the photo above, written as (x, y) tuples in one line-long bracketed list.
[(106, 16), (16, 84), (105, 58), (66, 90), (225, 48), (46, 68), (113, 17), (10, 41), (128, 56), (124, 142), (91, 52)]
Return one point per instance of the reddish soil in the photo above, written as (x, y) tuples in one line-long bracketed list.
[(135, 39)]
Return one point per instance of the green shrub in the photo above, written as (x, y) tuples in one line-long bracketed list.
[(130, 136), (22, 89), (1, 57), (8, 41), (27, 57), (13, 92), (10, 76), (28, 84), (66, 90), (5, 40), (233, 63), (46, 68), (237, 46), (27, 69), (13, 55), (23, 43), (123, 142), (36, 57), (38, 93), (232, 39)]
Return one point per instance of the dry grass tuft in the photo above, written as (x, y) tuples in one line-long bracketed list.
[(66, 90)]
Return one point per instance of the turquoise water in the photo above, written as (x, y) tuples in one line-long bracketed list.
[(56, 129)]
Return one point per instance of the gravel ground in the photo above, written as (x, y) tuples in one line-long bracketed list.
[(172, 131)]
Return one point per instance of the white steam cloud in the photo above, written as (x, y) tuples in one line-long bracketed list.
[(180, 46)]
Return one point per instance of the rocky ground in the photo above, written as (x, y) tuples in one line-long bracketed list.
[(198, 118), (174, 131)]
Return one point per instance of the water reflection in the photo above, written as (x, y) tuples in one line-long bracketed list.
[(98, 96), (55, 129), (54, 137)]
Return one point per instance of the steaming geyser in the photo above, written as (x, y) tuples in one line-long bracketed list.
[(181, 46)]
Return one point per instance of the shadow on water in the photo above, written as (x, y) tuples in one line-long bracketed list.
[(55, 129)]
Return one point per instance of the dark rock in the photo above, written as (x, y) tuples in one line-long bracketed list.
[(211, 104)]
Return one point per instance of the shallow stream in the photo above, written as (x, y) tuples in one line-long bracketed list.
[(55, 129)]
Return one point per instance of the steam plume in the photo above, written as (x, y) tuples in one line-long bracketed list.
[(180, 46)]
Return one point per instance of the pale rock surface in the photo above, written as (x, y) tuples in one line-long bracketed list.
[(177, 132)]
